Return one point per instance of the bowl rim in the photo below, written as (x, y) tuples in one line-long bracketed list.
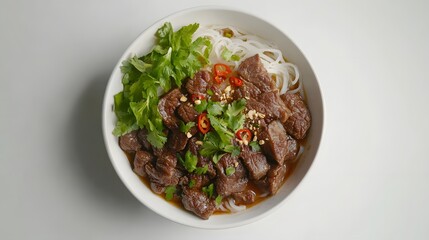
[(123, 177)]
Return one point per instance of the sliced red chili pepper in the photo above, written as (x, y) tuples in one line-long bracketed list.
[(235, 81), (219, 79), (244, 134), (203, 123), (197, 97), (221, 70)]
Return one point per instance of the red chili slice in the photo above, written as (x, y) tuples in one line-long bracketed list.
[(203, 123), (219, 79), (221, 70), (244, 134), (235, 81)]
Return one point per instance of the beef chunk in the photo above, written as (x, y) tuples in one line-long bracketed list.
[(177, 140), (157, 188), (245, 197), (276, 144), (142, 136), (274, 105), (187, 112), (252, 70), (276, 175), (292, 149), (197, 202), (236, 182), (199, 84), (140, 160), (129, 142), (247, 90), (218, 90), (199, 181), (299, 122), (167, 105), (255, 162), (165, 172)]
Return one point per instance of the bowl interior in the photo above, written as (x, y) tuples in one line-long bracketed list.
[(251, 24)]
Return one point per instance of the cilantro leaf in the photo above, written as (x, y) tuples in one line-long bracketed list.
[(208, 190), (218, 200), (190, 161), (185, 127), (227, 55), (214, 108), (201, 170), (221, 128), (201, 107), (229, 171), (234, 116), (192, 183), (255, 146), (169, 192)]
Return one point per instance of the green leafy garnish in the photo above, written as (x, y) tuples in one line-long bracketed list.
[(218, 200), (174, 58), (209, 92), (233, 116), (169, 192), (201, 107), (208, 190), (190, 161), (191, 183), (229, 171), (255, 146), (214, 108), (202, 170), (185, 127), (227, 55)]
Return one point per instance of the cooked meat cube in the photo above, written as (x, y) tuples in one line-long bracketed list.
[(157, 188), (226, 184), (276, 175), (245, 197), (167, 105), (140, 159), (202, 161), (276, 144), (247, 90), (177, 140), (165, 172), (158, 152), (252, 70), (129, 142), (255, 162), (300, 120), (197, 202), (218, 90), (274, 105), (292, 149), (198, 84), (187, 112), (198, 181), (142, 136)]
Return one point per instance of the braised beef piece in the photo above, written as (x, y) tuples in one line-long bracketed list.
[(218, 90), (300, 120), (292, 149), (276, 144), (275, 178), (197, 202), (141, 158), (187, 112), (177, 140), (129, 142), (164, 172), (199, 83), (167, 106), (252, 70), (157, 188), (142, 136), (198, 181), (247, 90), (255, 162), (245, 197), (202, 161), (236, 182), (275, 107)]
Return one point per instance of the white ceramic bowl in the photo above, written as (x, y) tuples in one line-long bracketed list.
[(251, 24)]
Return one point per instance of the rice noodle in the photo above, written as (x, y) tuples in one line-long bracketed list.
[(285, 74), (230, 204)]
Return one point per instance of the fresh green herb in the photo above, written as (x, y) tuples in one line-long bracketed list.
[(209, 92), (234, 150), (227, 55), (174, 58), (169, 192), (208, 190), (185, 127), (202, 170), (255, 146), (202, 106), (218, 200), (221, 128), (190, 161), (214, 108), (191, 183), (229, 171), (217, 157), (233, 114)]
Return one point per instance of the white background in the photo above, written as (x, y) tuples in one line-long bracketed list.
[(369, 181)]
